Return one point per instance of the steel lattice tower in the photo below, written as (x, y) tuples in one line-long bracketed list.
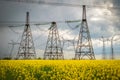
[(26, 49), (84, 49), (53, 47), (103, 51)]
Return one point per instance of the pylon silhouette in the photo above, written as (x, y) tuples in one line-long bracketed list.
[(26, 49), (84, 49), (53, 47)]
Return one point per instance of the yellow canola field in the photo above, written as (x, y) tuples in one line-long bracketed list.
[(59, 69)]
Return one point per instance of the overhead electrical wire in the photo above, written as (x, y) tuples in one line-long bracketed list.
[(67, 21), (63, 4), (44, 2), (36, 23), (45, 23), (61, 35), (74, 27), (39, 35), (43, 30), (13, 30), (70, 26), (67, 32)]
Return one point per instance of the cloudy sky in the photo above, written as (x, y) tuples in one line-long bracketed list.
[(103, 20)]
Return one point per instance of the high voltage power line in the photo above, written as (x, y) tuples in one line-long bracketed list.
[(104, 5), (47, 23)]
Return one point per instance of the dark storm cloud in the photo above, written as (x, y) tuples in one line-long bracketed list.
[(116, 13)]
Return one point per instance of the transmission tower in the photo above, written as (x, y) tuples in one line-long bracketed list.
[(103, 50), (112, 46), (53, 47), (84, 49), (13, 44), (26, 48)]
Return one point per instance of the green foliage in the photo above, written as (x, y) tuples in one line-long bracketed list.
[(39, 58), (6, 58)]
